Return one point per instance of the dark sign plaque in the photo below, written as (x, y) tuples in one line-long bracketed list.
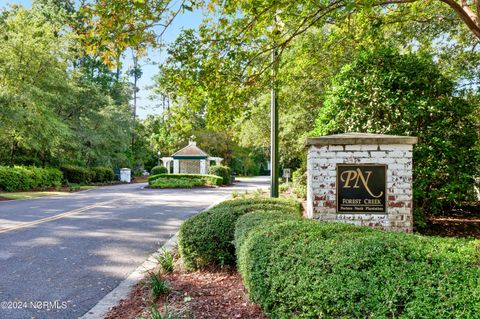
[(361, 188)]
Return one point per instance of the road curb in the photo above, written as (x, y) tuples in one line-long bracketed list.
[(122, 291)]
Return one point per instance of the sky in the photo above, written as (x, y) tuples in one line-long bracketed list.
[(187, 20)]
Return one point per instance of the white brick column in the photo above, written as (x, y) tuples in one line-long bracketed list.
[(324, 153), (166, 162), (176, 166), (203, 166)]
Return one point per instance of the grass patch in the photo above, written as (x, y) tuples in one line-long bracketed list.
[(84, 187), (26, 195)]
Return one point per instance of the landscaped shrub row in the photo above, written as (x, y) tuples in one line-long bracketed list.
[(248, 222), (82, 175), (183, 180), (308, 269), (101, 174), (223, 171), (20, 178), (206, 239)]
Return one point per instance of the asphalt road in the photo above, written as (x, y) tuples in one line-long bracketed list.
[(60, 255)]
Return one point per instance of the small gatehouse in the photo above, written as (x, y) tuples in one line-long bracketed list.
[(190, 160)]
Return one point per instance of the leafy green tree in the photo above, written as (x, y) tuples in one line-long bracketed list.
[(32, 73), (57, 105), (386, 92)]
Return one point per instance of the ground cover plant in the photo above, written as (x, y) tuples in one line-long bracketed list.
[(183, 180), (206, 239), (308, 269)]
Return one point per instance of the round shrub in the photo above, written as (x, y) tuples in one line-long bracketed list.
[(206, 239), (75, 174), (101, 174), (223, 171), (159, 170), (390, 93), (308, 269)]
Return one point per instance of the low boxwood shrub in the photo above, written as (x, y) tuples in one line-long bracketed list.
[(177, 183), (20, 178), (76, 174), (249, 222), (308, 269), (159, 170), (206, 239), (101, 174), (223, 171), (209, 180)]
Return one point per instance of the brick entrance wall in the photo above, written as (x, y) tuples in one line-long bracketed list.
[(325, 153)]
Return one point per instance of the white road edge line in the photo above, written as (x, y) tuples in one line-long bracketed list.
[(122, 291)]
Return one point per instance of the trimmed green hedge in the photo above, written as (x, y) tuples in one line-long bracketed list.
[(101, 174), (249, 222), (206, 239), (76, 174), (21, 178), (177, 183), (308, 269), (195, 180), (223, 171), (159, 170)]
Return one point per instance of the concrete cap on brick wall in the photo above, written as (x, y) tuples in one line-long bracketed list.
[(360, 138)]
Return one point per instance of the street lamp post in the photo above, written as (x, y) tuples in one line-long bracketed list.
[(158, 154), (274, 128)]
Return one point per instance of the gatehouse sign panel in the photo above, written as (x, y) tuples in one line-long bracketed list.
[(361, 188)]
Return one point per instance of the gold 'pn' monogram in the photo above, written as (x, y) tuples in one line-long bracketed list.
[(356, 176)]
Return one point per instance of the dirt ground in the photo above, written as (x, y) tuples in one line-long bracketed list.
[(201, 294)]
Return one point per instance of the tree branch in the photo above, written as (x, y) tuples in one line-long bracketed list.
[(470, 18)]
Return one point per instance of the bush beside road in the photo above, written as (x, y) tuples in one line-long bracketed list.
[(183, 180), (298, 268)]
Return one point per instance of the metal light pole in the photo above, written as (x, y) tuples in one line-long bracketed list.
[(274, 172), (158, 155)]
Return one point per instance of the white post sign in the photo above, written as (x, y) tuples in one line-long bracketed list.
[(286, 173)]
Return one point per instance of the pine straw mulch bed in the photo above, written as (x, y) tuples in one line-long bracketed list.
[(200, 294), (463, 221)]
